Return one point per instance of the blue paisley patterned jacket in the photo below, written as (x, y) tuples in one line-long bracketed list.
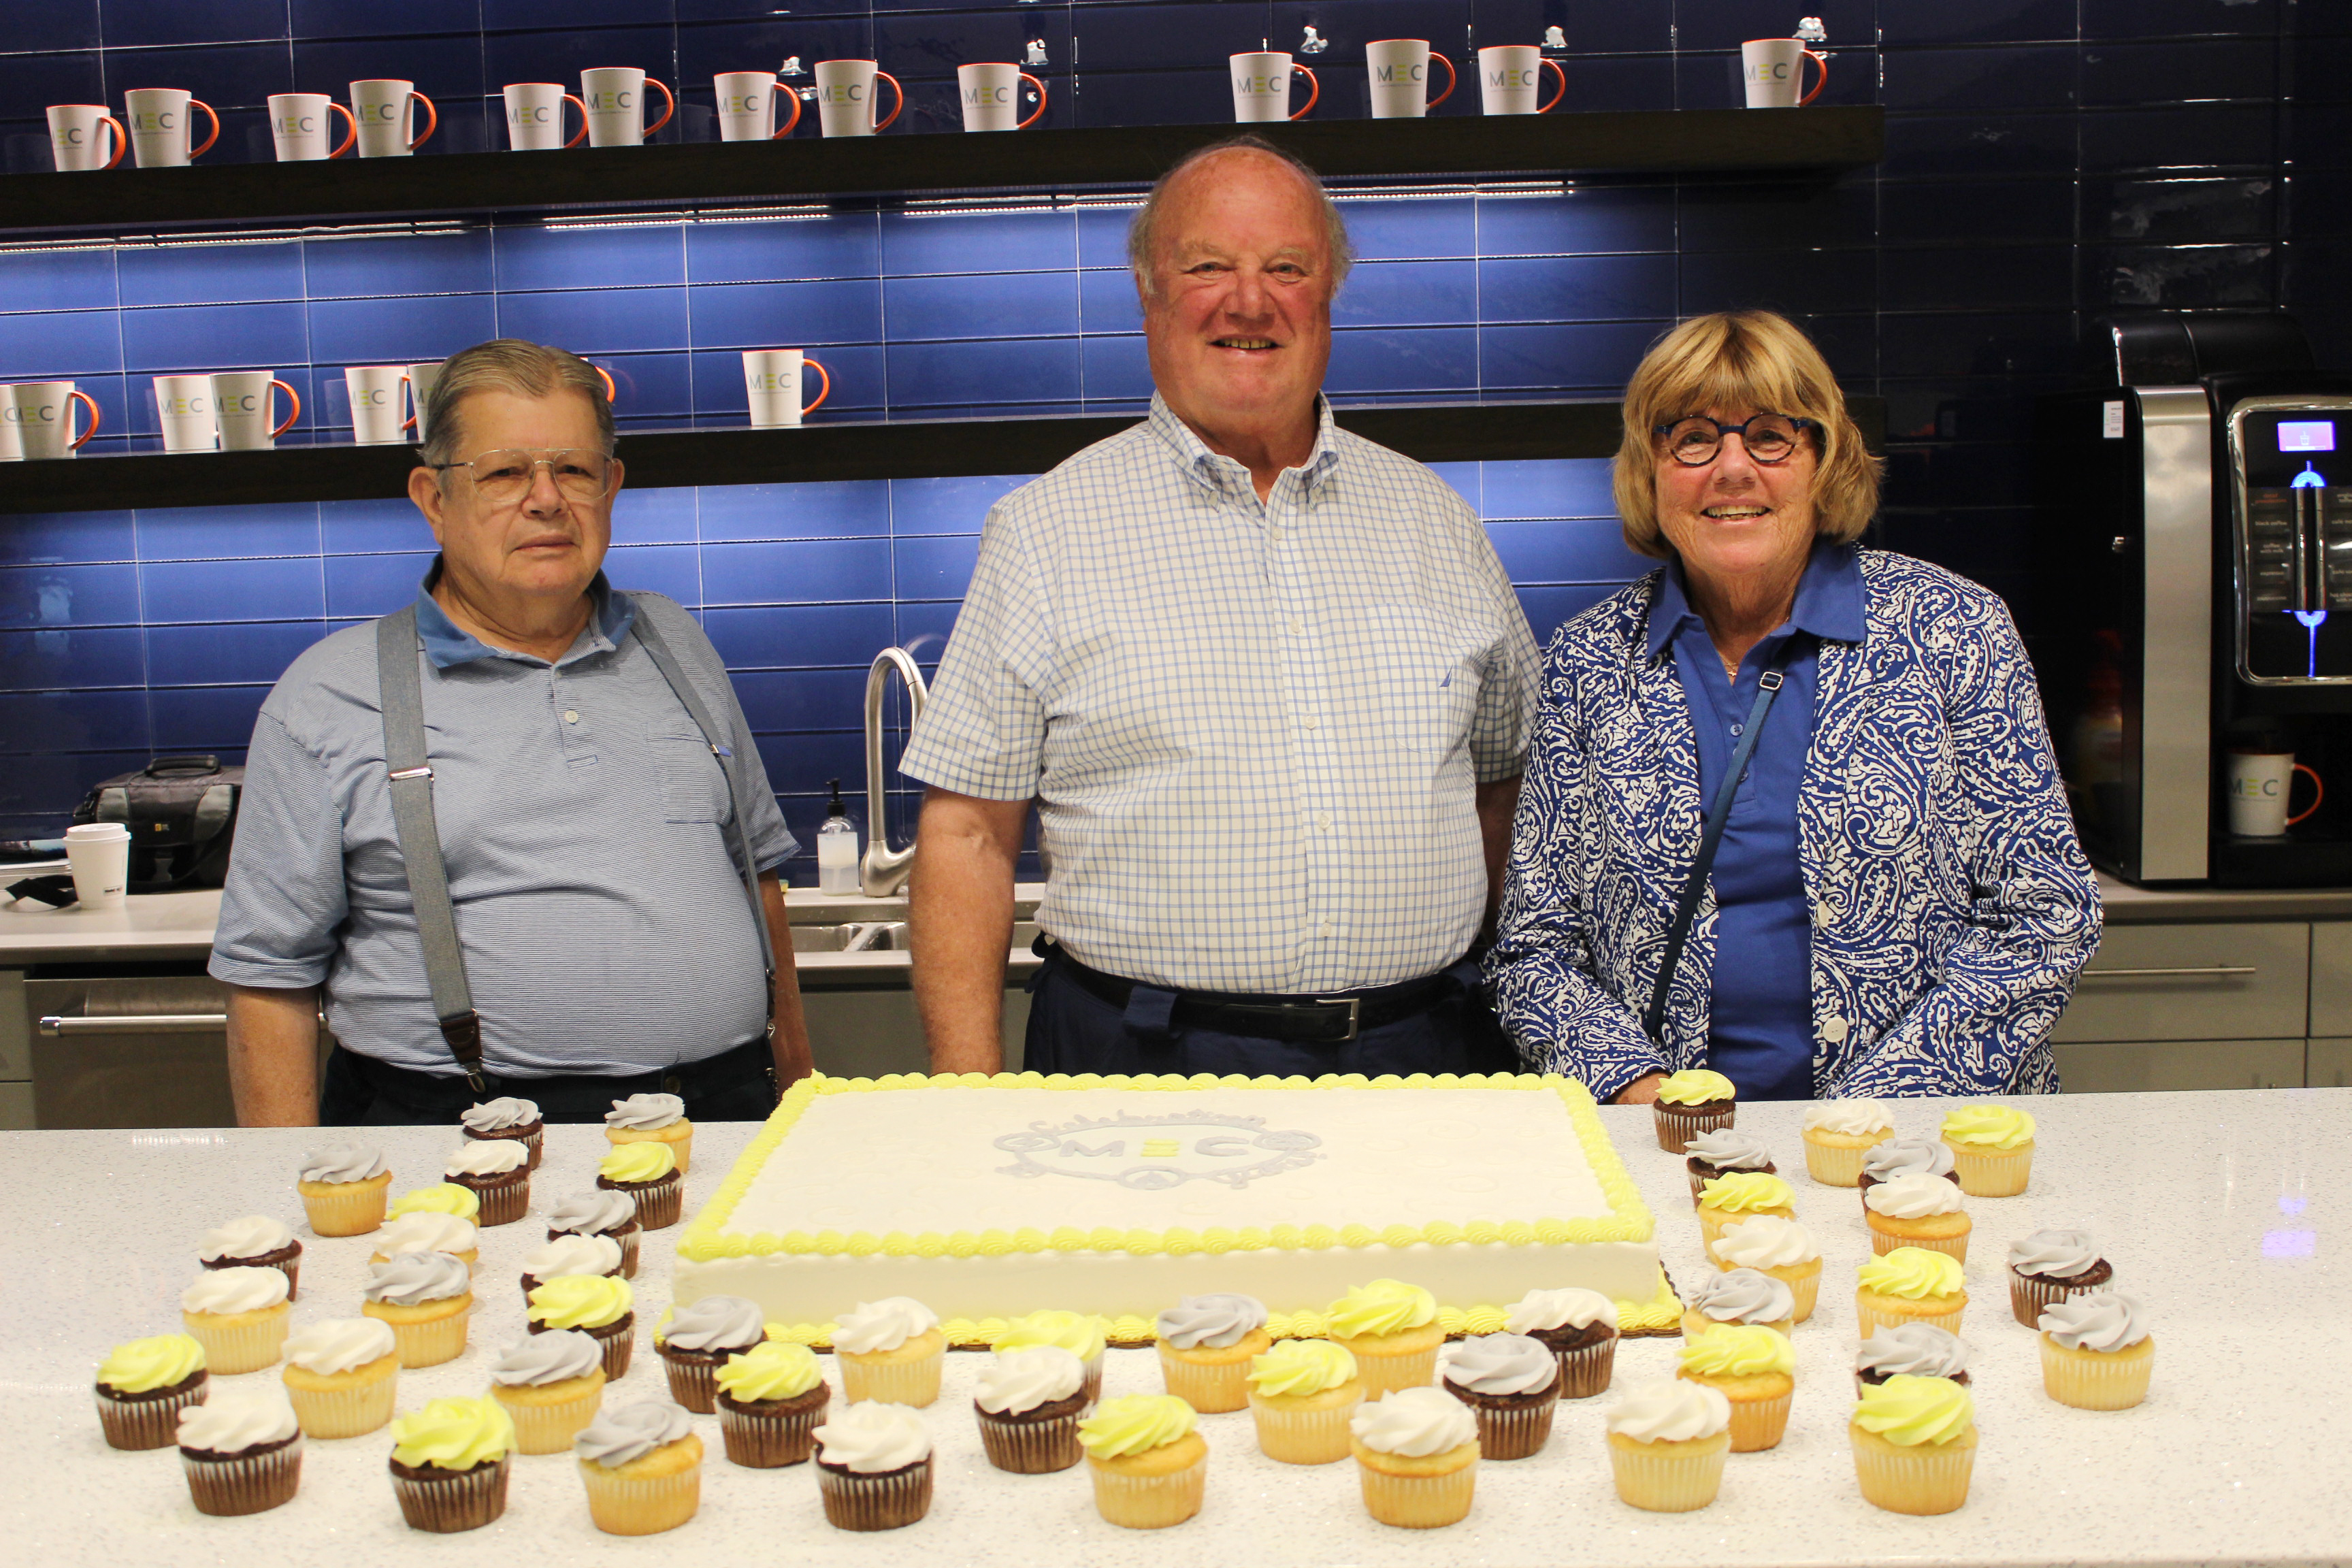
[(1952, 905)]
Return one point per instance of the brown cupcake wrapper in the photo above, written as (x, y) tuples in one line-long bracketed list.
[(1507, 1432), (617, 1341), (1587, 1371), (244, 1483), (2029, 1294), (770, 1439), (505, 1199), (1677, 1125), (1028, 1447), (886, 1501), (136, 1424), (453, 1500), (658, 1201), (693, 1382)]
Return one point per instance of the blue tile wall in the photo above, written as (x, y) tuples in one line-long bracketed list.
[(2047, 160)]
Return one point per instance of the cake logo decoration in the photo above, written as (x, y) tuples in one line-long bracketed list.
[(1153, 1154)]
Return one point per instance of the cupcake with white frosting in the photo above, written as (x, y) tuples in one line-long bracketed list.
[(507, 1118), (1028, 1406), (1918, 1210), (874, 1466), (143, 1385), (1579, 1326), (890, 1353), (257, 1241), (1910, 1349), (342, 1376), (498, 1173), (592, 1255), (1839, 1133), (241, 1450), (2052, 1266), (1206, 1343), (1080, 1333), (2096, 1350), (770, 1399), (426, 1297), (239, 1316), (651, 1118), (642, 1465), (1904, 1157), (600, 1213), (1667, 1442), (1781, 1247), (343, 1188), (428, 1232), (1511, 1384), (1721, 1151), (1739, 1296), (1417, 1458), (698, 1339), (551, 1386)]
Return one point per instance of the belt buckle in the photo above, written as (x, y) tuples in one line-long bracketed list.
[(1355, 1007)]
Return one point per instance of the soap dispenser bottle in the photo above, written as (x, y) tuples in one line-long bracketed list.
[(837, 848)]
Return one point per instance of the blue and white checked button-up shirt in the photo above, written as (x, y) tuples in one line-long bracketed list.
[(1253, 730)]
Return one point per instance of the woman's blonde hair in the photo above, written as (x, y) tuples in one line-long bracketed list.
[(1749, 360)]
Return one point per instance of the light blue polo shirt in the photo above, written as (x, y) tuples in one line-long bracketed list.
[(586, 825)]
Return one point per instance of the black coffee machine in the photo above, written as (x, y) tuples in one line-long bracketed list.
[(2195, 519)]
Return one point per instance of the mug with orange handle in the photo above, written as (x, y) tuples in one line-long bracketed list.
[(73, 137), (746, 106), (41, 412), (158, 118)]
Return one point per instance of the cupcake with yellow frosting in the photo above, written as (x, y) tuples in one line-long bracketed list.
[(498, 1173), (695, 1341), (426, 1297), (891, 1350), (1667, 1442), (1741, 1194), (603, 1309), (652, 1118), (1302, 1393), (342, 1376), (1150, 1467), (1839, 1133), (1511, 1384), (1579, 1326), (874, 1466), (1691, 1103), (1028, 1405), (1992, 1149), (1918, 1210), (257, 1241), (2096, 1351), (1206, 1345), (642, 1465), (240, 1450), (1741, 1296), (1781, 1247), (649, 1173), (1910, 1285), (1755, 1369), (1080, 1333), (142, 1386), (551, 1386), (1915, 1444), (342, 1187), (770, 1399), (449, 1464), (613, 1216), (1417, 1458), (428, 1230), (239, 1316), (1391, 1330)]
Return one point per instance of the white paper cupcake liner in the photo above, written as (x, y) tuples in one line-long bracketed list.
[(1667, 1483), (1927, 1480)]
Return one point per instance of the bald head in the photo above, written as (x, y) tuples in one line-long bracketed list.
[(1246, 160)]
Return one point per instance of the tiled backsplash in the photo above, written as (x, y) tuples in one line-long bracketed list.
[(2047, 160)]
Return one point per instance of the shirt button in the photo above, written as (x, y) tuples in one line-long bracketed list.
[(1310, 721), (1323, 821), (1833, 1029), (570, 717), (1323, 930), (1737, 729), (1297, 626)]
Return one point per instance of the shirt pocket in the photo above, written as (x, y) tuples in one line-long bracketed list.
[(1424, 673), (693, 787)]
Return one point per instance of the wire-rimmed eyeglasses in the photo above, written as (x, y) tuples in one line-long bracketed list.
[(503, 477)]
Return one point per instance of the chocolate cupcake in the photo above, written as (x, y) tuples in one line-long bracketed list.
[(1579, 1328), (1689, 1103), (873, 1467), (1723, 1150), (770, 1400), (603, 1309), (1918, 1350), (507, 1118), (241, 1450), (497, 1171), (1511, 1384), (449, 1464), (1029, 1405), (606, 1214), (699, 1339), (2052, 1266), (256, 1241), (142, 1387), (647, 1173), (598, 1256), (1906, 1157)]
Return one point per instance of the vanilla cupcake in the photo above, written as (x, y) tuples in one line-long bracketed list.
[(1915, 1444), (1918, 1210), (1417, 1457), (449, 1464), (239, 1316), (342, 1376), (1511, 1384), (1725, 1200), (1028, 1406), (256, 1241), (429, 1231), (696, 1340), (342, 1187), (2096, 1351), (1579, 1326), (890, 1353), (596, 1255), (1722, 1152), (241, 1450), (1992, 1149), (1781, 1247), (1904, 1157), (649, 1173), (770, 1399), (1689, 1103), (1756, 1370), (1150, 1467), (508, 1119), (1667, 1441), (1391, 1330), (498, 1173), (143, 1385), (600, 1213), (2050, 1266), (642, 1465), (441, 1197), (426, 1297), (603, 1309), (1839, 1132), (1206, 1345), (874, 1466), (1080, 1333), (551, 1386), (1739, 1295), (652, 1118), (1302, 1393), (1910, 1285), (1910, 1349)]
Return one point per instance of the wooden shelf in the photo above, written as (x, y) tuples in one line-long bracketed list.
[(909, 449), (802, 169)]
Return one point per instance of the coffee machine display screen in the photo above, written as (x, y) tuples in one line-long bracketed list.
[(2293, 506), (2306, 435)]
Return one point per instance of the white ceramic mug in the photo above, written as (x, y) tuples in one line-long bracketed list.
[(746, 106), (99, 854), (184, 409), (772, 381), (85, 136), (535, 117), (615, 97), (386, 110), (845, 98), (421, 378), (302, 125), (43, 414), (992, 97), (12, 450), (242, 405), (1261, 82), (161, 134), (2259, 784), (1399, 69), (377, 414), (1771, 68), (1510, 77)]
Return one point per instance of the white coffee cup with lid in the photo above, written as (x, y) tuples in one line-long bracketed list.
[(100, 856)]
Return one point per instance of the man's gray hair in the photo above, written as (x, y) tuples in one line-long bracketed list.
[(506, 364), (1143, 233)]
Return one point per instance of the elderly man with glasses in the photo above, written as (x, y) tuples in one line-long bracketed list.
[(516, 833)]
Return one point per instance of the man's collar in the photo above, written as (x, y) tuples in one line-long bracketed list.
[(1829, 599), (448, 644), (1207, 466)]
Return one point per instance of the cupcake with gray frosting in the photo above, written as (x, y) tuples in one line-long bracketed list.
[(642, 1465), (551, 1386), (2096, 1350), (1904, 1157), (507, 1119), (1913, 1350), (1739, 1295), (1722, 1151), (343, 1188), (1579, 1326), (426, 1297), (594, 1254), (1511, 1384), (1206, 1343), (698, 1340), (1028, 1406), (2050, 1266), (600, 1213), (257, 1241), (497, 1171), (652, 1118)]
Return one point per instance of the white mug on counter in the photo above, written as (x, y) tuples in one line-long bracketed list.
[(1399, 77), (386, 110), (162, 135), (1771, 69), (99, 855), (1261, 82), (377, 417), (1510, 77), (2260, 782), (301, 124), (746, 106), (616, 99), (845, 97), (242, 404), (77, 132), (992, 97), (43, 415), (771, 380), (184, 410), (535, 117)]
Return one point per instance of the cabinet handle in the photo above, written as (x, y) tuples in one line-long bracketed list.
[(2214, 972), (150, 1024)]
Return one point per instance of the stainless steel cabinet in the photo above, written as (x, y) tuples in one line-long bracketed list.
[(2194, 982), (2123, 1067), (2328, 1063)]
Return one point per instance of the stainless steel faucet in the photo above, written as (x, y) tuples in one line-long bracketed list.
[(884, 870)]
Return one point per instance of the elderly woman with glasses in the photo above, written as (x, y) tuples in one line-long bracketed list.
[(1896, 904)]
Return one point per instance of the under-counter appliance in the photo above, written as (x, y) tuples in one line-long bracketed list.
[(2195, 514)]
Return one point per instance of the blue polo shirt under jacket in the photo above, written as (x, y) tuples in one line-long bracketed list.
[(586, 825), (1760, 1023)]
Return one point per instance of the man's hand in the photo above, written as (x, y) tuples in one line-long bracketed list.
[(790, 1043), (1641, 1091), (273, 1056), (960, 924)]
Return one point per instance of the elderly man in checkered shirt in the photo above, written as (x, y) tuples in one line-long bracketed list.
[(1264, 682)]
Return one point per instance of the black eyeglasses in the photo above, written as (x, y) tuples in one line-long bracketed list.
[(1694, 440)]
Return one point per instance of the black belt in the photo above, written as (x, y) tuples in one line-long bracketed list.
[(1323, 1020)]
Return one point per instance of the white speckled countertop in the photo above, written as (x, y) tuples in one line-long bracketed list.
[(2222, 1210)]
